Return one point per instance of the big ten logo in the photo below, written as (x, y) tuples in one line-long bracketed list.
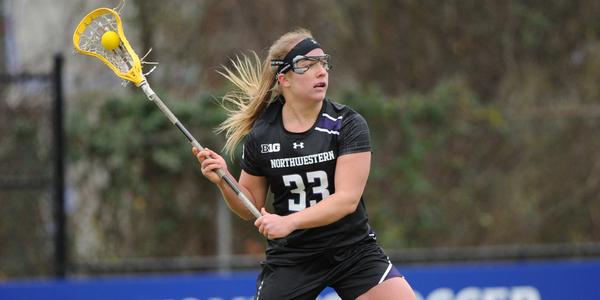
[(484, 293), (270, 148)]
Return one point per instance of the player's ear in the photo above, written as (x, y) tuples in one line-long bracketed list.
[(283, 80)]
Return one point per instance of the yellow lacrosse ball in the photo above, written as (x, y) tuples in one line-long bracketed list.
[(110, 40)]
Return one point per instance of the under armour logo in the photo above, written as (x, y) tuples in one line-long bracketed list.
[(299, 145)]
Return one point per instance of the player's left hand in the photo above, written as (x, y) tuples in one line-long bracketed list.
[(273, 226)]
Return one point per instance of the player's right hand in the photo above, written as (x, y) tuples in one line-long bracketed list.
[(209, 162)]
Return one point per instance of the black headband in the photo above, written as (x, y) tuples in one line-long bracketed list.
[(306, 45)]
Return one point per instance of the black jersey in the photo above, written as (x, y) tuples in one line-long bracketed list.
[(300, 168)]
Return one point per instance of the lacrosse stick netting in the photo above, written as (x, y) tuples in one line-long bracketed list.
[(125, 63), (87, 40)]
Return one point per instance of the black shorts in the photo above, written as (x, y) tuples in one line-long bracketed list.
[(350, 271)]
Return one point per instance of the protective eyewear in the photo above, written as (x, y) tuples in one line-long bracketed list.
[(302, 63)]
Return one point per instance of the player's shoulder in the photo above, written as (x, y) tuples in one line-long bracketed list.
[(266, 121), (334, 107), (336, 110)]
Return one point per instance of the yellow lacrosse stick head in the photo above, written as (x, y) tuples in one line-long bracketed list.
[(90, 38)]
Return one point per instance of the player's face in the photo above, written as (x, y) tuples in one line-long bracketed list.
[(312, 84)]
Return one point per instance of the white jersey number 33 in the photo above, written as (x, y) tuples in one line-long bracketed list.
[(296, 182)]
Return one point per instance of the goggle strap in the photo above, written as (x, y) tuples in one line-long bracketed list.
[(276, 62)]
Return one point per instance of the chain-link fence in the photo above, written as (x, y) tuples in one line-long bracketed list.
[(32, 174)]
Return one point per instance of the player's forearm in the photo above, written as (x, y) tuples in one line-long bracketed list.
[(327, 211), (234, 203), (350, 180)]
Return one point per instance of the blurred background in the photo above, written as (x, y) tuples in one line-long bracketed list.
[(484, 118)]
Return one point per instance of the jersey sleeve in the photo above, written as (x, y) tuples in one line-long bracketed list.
[(354, 135), (249, 162)]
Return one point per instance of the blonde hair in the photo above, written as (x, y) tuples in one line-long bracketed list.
[(255, 88)]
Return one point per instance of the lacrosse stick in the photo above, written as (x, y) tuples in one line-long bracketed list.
[(100, 34)]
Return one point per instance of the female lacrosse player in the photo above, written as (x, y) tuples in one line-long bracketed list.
[(314, 155)]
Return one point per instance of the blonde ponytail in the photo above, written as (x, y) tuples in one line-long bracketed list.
[(252, 93), (255, 86)]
